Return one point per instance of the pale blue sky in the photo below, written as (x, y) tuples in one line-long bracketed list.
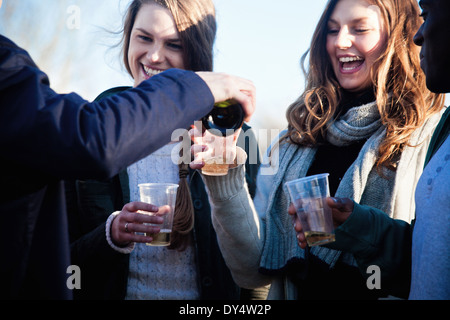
[(260, 40), (264, 40)]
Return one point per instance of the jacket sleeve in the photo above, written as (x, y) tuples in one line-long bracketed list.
[(239, 228), (68, 137), (93, 248), (375, 239), (238, 220)]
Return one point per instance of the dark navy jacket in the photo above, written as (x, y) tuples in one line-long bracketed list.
[(46, 137)]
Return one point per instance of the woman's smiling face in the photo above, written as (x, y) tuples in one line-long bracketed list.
[(155, 45), (356, 39)]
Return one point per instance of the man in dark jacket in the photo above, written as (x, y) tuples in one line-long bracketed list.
[(46, 137)]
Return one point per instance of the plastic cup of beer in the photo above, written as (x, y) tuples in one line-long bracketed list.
[(309, 198), (162, 195), (221, 152), (215, 166)]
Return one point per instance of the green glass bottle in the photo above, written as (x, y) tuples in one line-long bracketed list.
[(225, 118)]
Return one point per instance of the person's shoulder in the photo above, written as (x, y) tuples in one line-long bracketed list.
[(111, 92), (446, 113), (6, 42), (13, 56)]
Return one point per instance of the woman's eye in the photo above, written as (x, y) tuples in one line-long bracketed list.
[(362, 29), (332, 31), (174, 46), (145, 38)]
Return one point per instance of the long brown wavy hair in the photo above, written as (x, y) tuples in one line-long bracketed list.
[(403, 100), (196, 24)]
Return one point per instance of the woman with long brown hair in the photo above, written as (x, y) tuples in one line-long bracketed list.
[(366, 117), (157, 35)]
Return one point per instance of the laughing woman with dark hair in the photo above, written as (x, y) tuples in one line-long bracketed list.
[(157, 35)]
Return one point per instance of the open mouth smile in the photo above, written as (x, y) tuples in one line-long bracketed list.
[(149, 72), (350, 64)]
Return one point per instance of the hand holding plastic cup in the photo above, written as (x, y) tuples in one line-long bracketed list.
[(220, 152), (309, 198), (162, 195)]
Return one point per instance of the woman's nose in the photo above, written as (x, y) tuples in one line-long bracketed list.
[(343, 39), (418, 38), (155, 53)]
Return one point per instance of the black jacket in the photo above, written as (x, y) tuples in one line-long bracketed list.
[(46, 137), (105, 271)]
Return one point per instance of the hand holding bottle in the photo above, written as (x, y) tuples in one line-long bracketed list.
[(225, 87)]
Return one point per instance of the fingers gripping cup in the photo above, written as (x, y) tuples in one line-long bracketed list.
[(221, 153), (309, 198), (221, 124), (162, 195)]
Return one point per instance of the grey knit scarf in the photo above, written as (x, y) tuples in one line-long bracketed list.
[(393, 194)]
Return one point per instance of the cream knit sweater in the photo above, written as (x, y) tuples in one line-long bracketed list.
[(157, 273)]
